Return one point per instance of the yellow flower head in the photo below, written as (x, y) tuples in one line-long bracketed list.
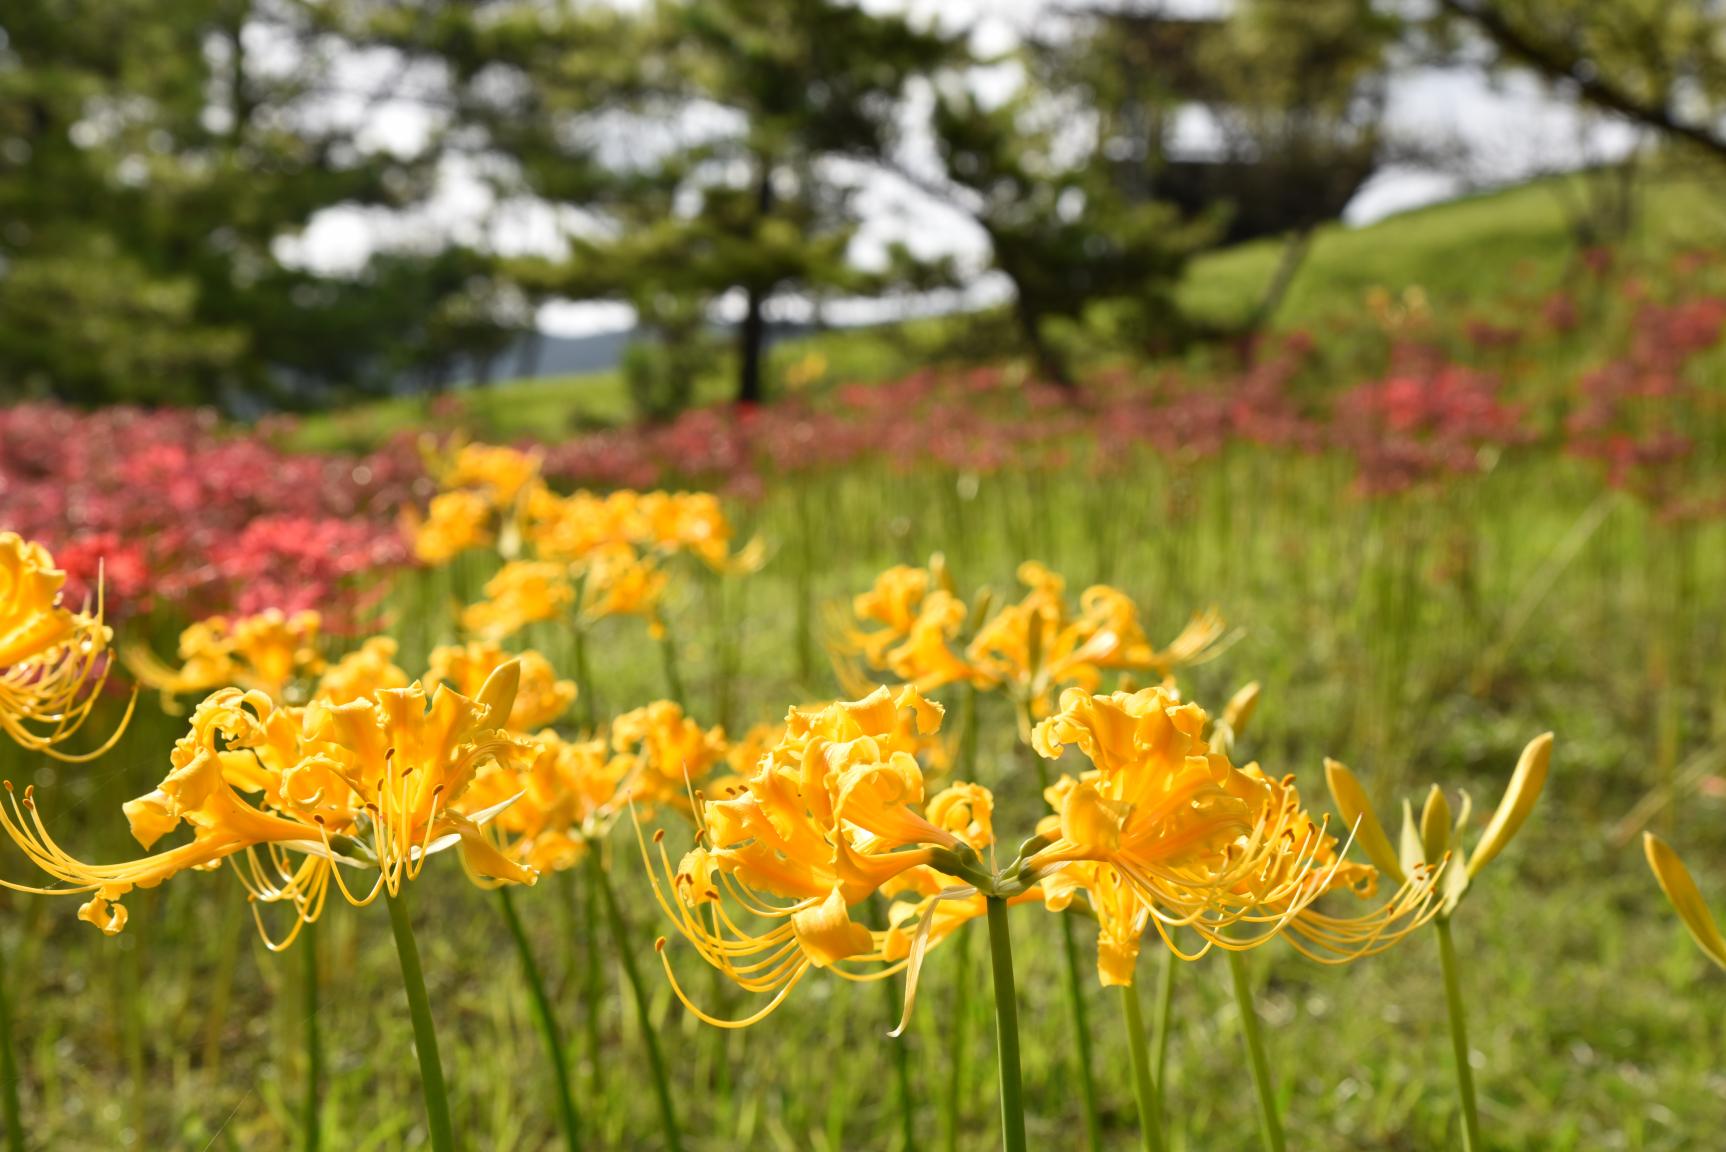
[(1204, 844), (53, 661), (672, 752), (565, 795), (268, 651), (1038, 645), (541, 698), (523, 592), (830, 815), (454, 522), (918, 621), (912, 624), (693, 522), (286, 794), (571, 528), (361, 673), (497, 472), (618, 581), (567, 528)]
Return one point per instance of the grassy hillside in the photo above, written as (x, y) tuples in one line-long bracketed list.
[(1473, 247)]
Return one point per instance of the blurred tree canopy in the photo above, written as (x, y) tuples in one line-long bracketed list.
[(1658, 63), (152, 157), (704, 152), (699, 160)]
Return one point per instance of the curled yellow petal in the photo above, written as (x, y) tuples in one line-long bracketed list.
[(1357, 813), (1525, 785), (1681, 890), (827, 933), (1239, 709)]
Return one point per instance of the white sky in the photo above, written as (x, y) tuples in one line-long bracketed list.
[(1507, 132)]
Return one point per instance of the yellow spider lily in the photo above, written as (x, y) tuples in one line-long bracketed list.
[(455, 522), (1028, 648), (266, 652), (500, 473), (522, 592), (672, 751), (1686, 900), (618, 581), (373, 783), (53, 661), (563, 797), (609, 581), (829, 816), (572, 527), (1226, 851), (541, 698), (360, 673), (1034, 646)]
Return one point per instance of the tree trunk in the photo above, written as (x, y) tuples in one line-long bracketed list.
[(750, 339), (1049, 365), (752, 336), (1295, 249)]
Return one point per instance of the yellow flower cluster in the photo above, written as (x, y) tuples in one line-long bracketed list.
[(540, 700), (592, 554), (913, 624), (1163, 831), (288, 794), (53, 661), (267, 652), (567, 793)]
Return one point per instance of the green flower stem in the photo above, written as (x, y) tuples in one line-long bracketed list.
[(1075, 985), (1459, 1037), (425, 1032), (9, 1068), (593, 989), (626, 954), (1270, 1124), (1165, 1010), (1144, 1088), (311, 1124), (566, 1114), (959, 1036), (1075, 982), (673, 676), (1006, 1028), (584, 704), (967, 756)]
